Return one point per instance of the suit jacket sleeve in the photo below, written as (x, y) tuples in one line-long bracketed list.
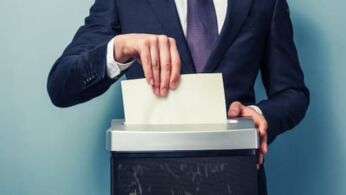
[(80, 73), (283, 79)]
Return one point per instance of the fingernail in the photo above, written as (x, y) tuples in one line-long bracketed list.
[(265, 150), (173, 85), (157, 91), (164, 91), (151, 82)]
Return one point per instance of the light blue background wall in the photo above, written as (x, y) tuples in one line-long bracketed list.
[(46, 150)]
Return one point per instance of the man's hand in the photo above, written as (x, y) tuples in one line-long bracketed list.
[(158, 55), (237, 109)]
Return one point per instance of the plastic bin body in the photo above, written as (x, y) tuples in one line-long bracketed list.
[(215, 159)]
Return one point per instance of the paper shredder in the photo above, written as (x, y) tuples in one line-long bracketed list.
[(205, 159)]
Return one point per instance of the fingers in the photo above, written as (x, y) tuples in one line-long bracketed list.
[(261, 125), (263, 142), (235, 109), (175, 62), (145, 58), (160, 59), (165, 64), (260, 160), (155, 64), (262, 128)]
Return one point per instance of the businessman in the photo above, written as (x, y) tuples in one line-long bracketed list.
[(161, 39)]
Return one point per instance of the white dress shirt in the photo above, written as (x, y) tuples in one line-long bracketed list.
[(115, 68)]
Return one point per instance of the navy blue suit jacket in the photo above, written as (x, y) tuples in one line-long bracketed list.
[(256, 37)]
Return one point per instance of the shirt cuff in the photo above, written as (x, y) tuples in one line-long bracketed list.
[(256, 108), (114, 68)]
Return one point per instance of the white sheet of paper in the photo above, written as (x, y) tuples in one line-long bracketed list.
[(199, 99)]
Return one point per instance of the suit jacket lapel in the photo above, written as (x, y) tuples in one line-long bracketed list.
[(166, 13), (237, 13)]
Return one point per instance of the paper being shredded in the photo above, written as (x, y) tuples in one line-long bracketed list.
[(199, 99)]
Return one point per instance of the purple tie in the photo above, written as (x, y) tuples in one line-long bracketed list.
[(202, 31)]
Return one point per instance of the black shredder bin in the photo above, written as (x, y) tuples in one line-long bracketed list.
[(205, 159)]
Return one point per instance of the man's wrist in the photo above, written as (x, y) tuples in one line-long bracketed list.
[(256, 108), (114, 68), (119, 53)]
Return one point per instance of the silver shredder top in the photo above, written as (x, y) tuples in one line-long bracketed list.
[(235, 134)]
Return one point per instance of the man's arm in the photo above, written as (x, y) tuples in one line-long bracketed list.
[(80, 73), (288, 97), (86, 68)]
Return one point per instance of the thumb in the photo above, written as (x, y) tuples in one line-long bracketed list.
[(235, 109)]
